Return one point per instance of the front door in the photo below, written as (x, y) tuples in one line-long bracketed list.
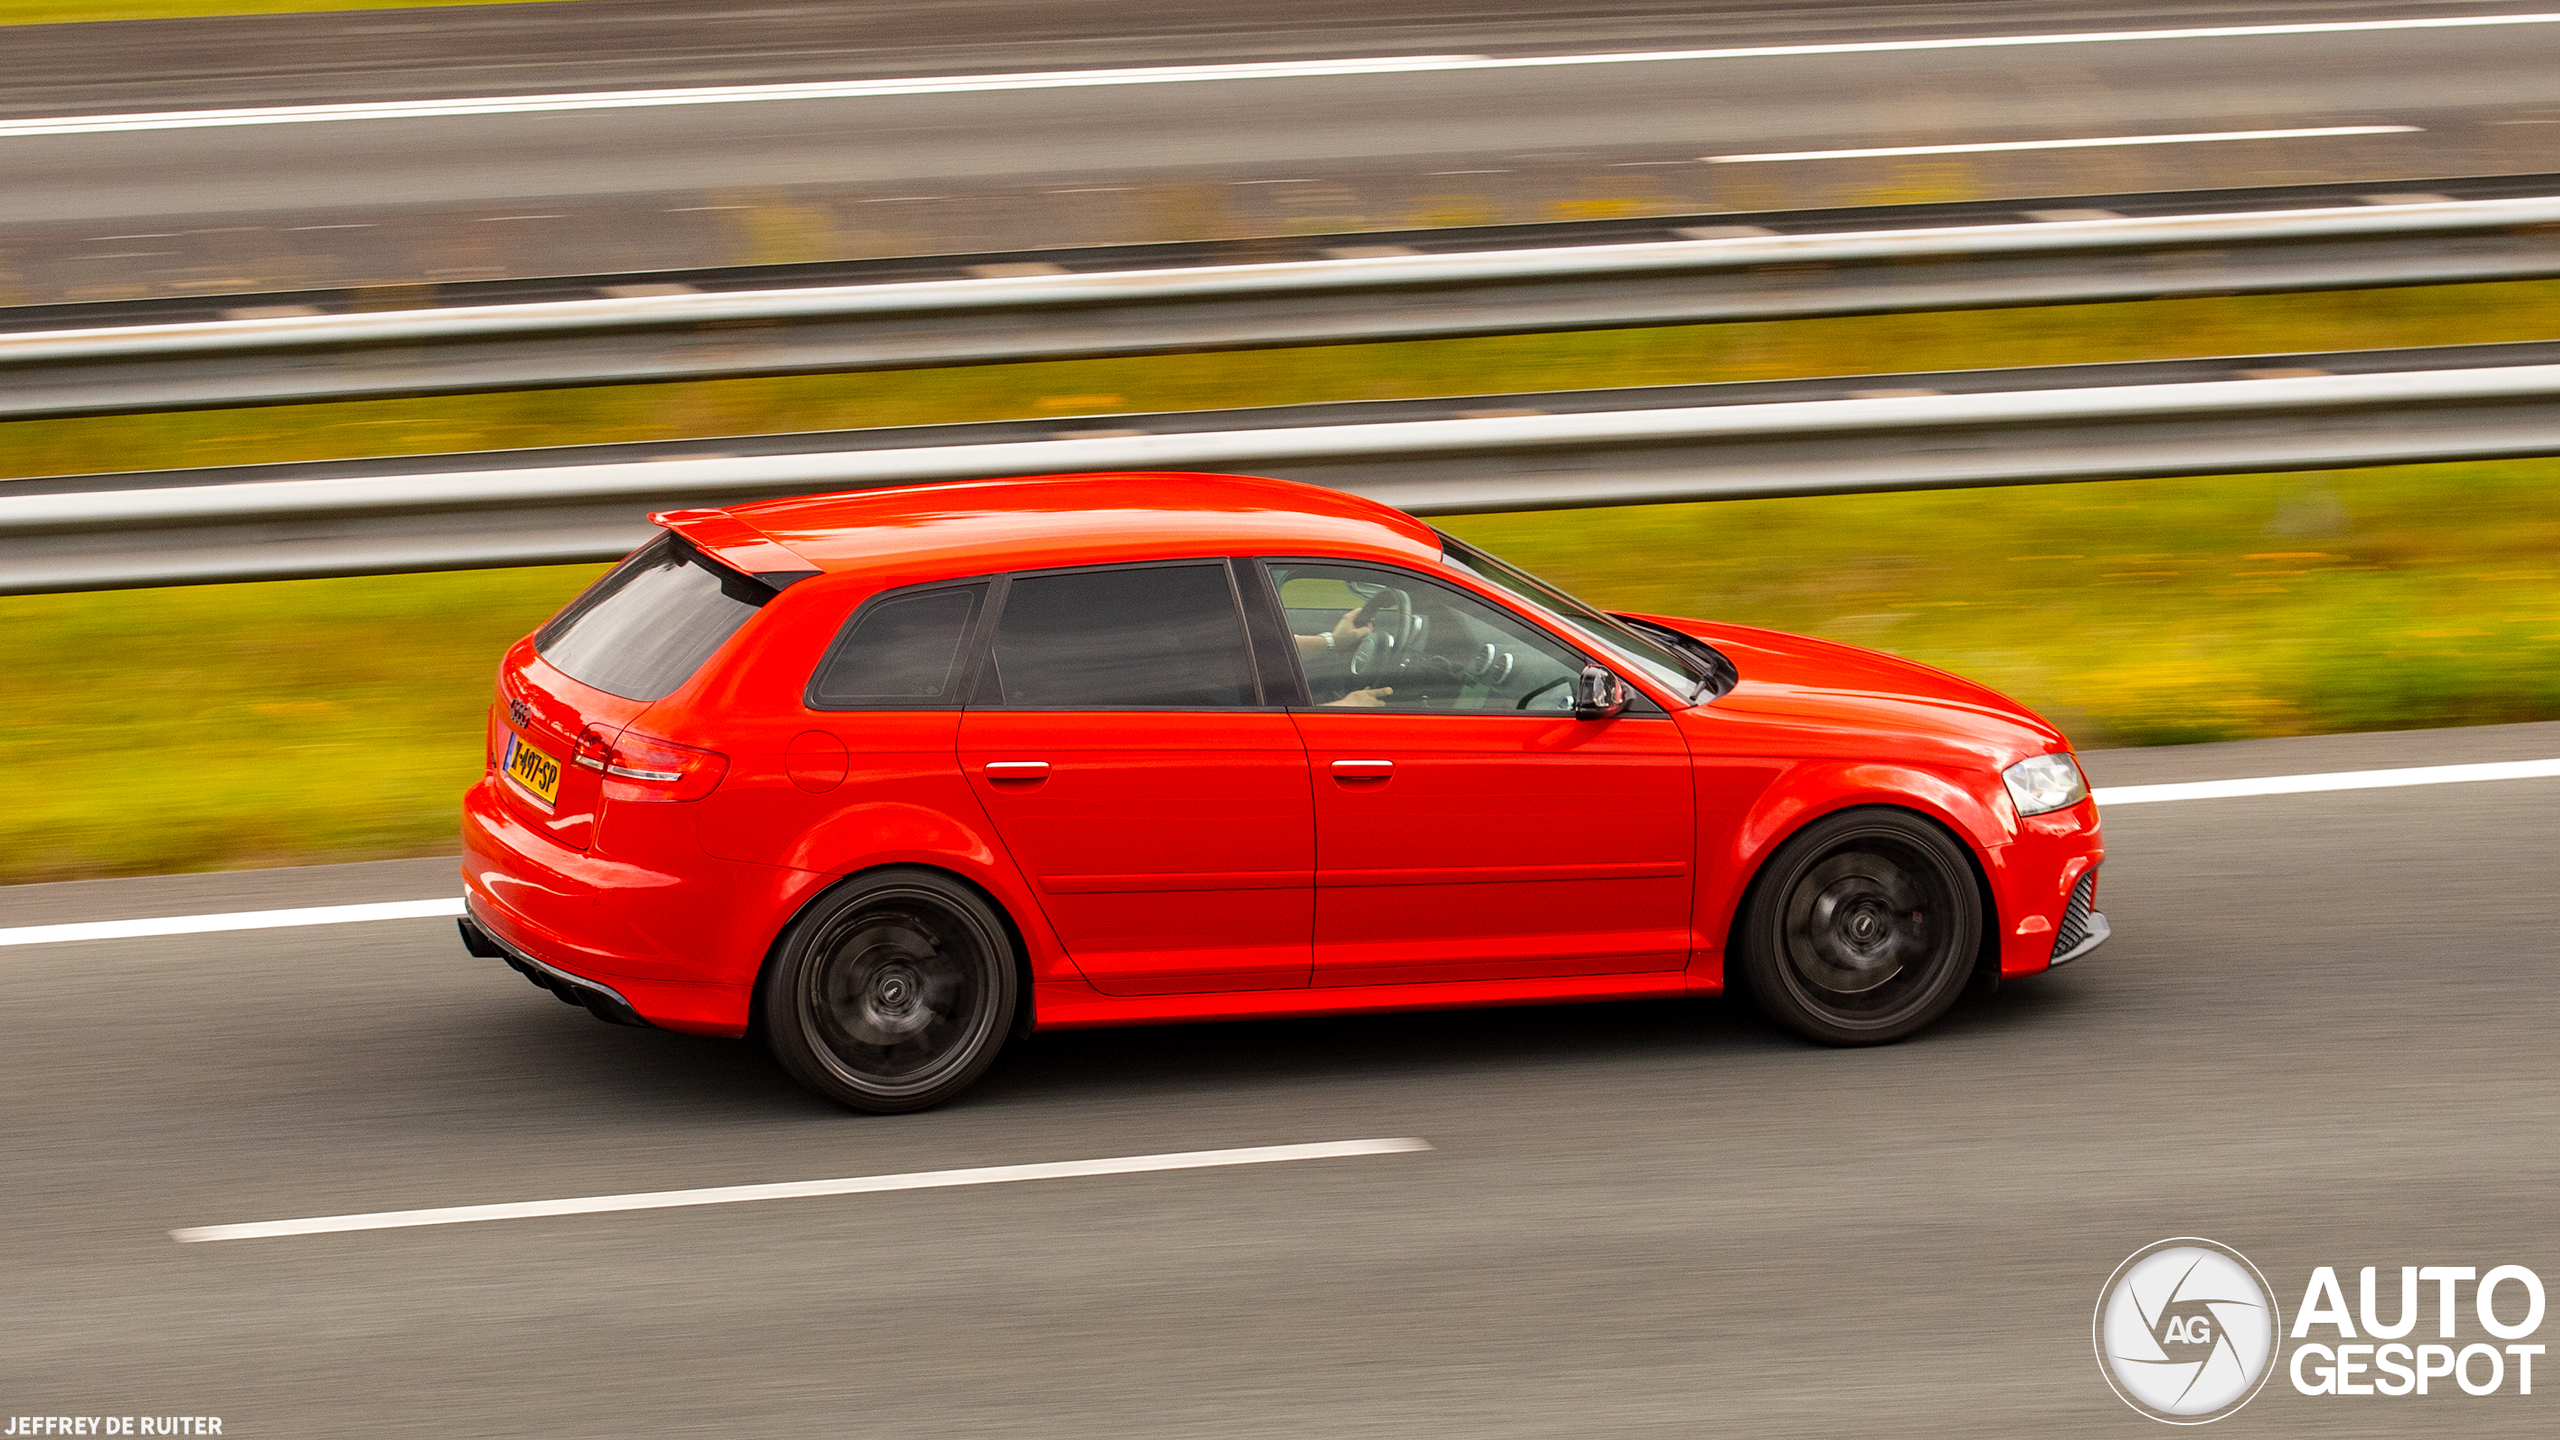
[(1123, 751), (1467, 826)]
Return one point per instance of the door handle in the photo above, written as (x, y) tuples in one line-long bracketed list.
[(1363, 769), (1017, 770)]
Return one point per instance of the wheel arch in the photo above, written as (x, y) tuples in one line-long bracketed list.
[(1015, 939), (1812, 793), (1985, 974)]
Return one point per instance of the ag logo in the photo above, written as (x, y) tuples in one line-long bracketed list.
[(2185, 1331)]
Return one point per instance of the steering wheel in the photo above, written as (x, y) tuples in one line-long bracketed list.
[(1393, 640), (1564, 679)]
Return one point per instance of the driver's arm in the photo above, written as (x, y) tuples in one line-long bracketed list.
[(1346, 632)]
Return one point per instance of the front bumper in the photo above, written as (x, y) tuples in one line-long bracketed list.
[(2095, 936), (2081, 928), (2045, 886)]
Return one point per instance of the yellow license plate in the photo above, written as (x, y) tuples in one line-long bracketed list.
[(538, 773)]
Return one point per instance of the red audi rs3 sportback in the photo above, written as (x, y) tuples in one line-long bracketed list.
[(888, 778)]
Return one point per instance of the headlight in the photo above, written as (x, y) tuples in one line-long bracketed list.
[(2045, 782)]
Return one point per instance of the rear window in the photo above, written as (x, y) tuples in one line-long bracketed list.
[(902, 652), (644, 628)]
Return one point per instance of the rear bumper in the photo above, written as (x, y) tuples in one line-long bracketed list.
[(602, 1001), (644, 919)]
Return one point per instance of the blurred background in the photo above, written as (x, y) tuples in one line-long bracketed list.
[(2133, 612)]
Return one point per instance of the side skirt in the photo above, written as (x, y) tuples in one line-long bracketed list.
[(1071, 1006)]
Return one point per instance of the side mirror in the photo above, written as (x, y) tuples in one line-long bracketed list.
[(1598, 694)]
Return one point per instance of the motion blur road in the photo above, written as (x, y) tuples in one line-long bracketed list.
[(422, 200), (2322, 1035)]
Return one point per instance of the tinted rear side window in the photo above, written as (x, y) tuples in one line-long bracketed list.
[(900, 652), (645, 628), (1162, 635)]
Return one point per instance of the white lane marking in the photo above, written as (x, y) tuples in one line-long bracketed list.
[(237, 920), (2107, 796), (1985, 147), (799, 1189), (1165, 75), (2335, 780), (721, 95)]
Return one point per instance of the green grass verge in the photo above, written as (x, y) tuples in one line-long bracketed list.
[(297, 722), (2145, 612), (58, 12)]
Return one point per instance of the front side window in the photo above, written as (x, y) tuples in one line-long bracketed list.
[(1137, 638), (644, 628), (900, 652), (1371, 637), (1668, 666)]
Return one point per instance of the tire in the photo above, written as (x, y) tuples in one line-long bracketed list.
[(1862, 929), (891, 993)]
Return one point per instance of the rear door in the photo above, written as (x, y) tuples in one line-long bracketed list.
[(633, 638), (1122, 745), (1468, 827)]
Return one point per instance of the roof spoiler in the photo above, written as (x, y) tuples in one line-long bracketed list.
[(738, 545)]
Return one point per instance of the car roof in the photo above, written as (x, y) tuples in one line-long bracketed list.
[(915, 533)]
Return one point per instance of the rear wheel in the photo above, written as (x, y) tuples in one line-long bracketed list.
[(1863, 928), (893, 993)]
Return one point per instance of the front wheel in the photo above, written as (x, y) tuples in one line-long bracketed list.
[(1863, 928), (892, 993)]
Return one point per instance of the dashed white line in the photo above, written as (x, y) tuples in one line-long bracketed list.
[(2335, 780), (1986, 147), (800, 1189), (1168, 75)]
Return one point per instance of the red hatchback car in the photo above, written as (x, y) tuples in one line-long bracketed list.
[(891, 777)]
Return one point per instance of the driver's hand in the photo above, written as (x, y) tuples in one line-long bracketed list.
[(1348, 632), (1368, 699)]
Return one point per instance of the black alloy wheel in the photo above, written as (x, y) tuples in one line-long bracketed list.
[(892, 993), (1863, 928)]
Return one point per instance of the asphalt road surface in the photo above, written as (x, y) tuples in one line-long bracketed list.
[(2321, 1035), (425, 200)]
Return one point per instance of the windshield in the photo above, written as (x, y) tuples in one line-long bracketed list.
[(1686, 675)]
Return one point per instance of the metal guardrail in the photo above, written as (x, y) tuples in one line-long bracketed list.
[(1361, 298), (1490, 453)]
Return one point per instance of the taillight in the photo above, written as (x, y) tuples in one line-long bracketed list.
[(644, 769), (594, 751)]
